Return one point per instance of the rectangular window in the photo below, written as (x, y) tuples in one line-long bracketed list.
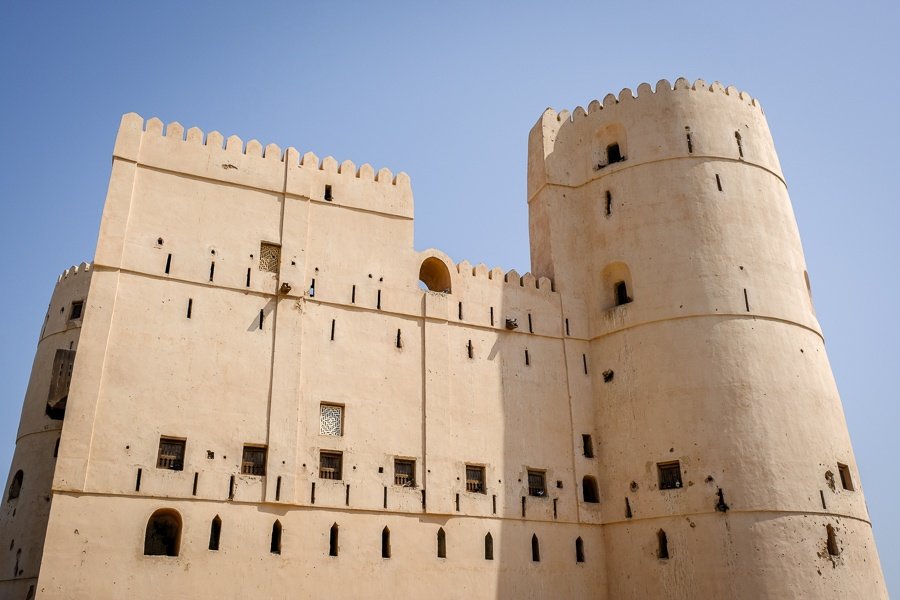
[(331, 420), (77, 308), (269, 257), (475, 479), (254, 460), (537, 484), (330, 464), (405, 472), (846, 480), (171, 454), (588, 445), (669, 475), (63, 364)]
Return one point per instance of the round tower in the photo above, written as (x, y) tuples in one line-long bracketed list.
[(26, 497), (726, 469)]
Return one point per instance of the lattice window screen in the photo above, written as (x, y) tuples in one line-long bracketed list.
[(331, 420), (269, 257)]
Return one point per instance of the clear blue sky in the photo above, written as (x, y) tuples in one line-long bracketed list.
[(447, 92)]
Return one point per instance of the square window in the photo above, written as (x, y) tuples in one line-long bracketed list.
[(537, 484), (76, 310), (475, 479), (669, 475), (331, 419), (330, 464), (171, 454), (254, 460), (846, 480), (405, 472), (269, 257)]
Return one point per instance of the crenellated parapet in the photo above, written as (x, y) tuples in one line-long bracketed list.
[(570, 147), (74, 270), (212, 156)]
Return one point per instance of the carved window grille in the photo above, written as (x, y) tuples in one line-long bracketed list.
[(537, 484), (269, 257), (405, 472), (669, 475), (171, 454), (475, 479), (63, 364), (330, 464), (331, 420), (254, 460)]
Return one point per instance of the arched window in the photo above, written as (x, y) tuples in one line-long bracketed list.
[(385, 543), (663, 550), (489, 546), (441, 543), (579, 550), (163, 534), (589, 490), (215, 530), (535, 548), (435, 275), (833, 548), (276, 538), (333, 541), (15, 488)]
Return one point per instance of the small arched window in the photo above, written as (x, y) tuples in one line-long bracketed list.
[(589, 490), (621, 292), (276, 538), (15, 488), (215, 531), (663, 550), (163, 534), (579, 550), (441, 543), (489, 546), (333, 540), (535, 548), (385, 543)]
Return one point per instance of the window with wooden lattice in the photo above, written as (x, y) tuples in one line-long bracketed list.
[(253, 461), (475, 479), (330, 464), (405, 472), (537, 483), (171, 454), (331, 419), (269, 257)]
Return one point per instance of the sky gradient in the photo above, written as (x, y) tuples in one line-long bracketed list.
[(448, 94)]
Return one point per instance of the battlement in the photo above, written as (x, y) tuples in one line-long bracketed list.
[(74, 271), (511, 277), (643, 90), (213, 156)]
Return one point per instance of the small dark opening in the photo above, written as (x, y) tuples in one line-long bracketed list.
[(385, 543), (460, 311), (231, 488), (332, 330), (613, 154), (312, 493), (492, 316), (163, 534), (168, 263), (628, 513), (488, 546), (312, 289), (584, 363), (587, 445), (378, 304), (328, 196), (527, 358), (846, 480), (494, 504), (275, 547), (333, 540), (137, 480), (690, 144), (278, 489), (56, 448), (212, 270), (579, 550), (608, 203), (248, 277), (194, 487), (399, 341), (215, 530), (718, 182), (77, 308), (567, 326), (353, 295), (441, 543), (833, 548), (669, 475), (15, 488), (621, 293), (530, 325), (347, 494), (262, 316), (523, 506), (457, 502), (590, 491), (470, 349), (737, 137), (190, 307), (535, 548), (746, 300), (608, 375), (555, 513), (663, 550)]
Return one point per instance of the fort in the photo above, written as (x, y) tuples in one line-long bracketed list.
[(260, 389)]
